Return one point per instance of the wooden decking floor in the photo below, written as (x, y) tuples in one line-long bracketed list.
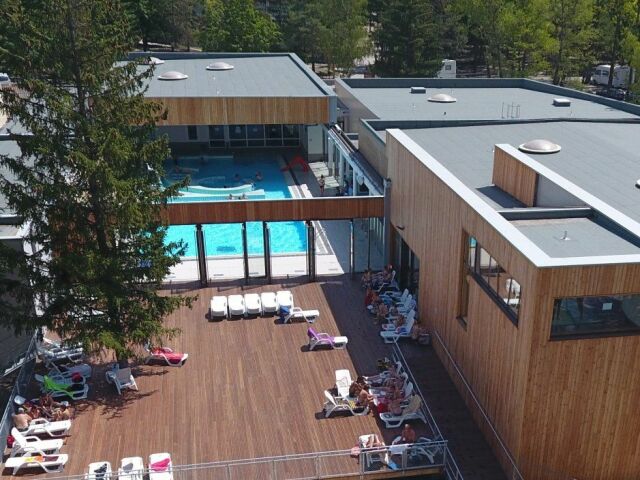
[(249, 389)]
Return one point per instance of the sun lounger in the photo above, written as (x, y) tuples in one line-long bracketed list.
[(160, 466), (253, 304), (122, 378), (131, 468), (324, 339), (218, 307), (395, 297), (27, 444), (269, 302), (167, 355), (42, 426), (67, 371), (342, 404), (73, 391), (48, 463), (411, 412), (296, 313), (409, 318), (343, 382), (99, 471), (285, 299), (50, 351), (236, 305), (392, 336), (373, 454)]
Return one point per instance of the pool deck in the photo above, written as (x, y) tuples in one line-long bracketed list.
[(249, 389)]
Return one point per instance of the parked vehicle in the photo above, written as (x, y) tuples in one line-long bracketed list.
[(621, 74), (448, 69), (4, 80)]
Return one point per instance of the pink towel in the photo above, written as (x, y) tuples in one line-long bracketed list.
[(160, 465)]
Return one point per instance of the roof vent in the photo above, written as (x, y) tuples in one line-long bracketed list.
[(219, 66), (418, 90), (442, 98), (561, 102), (539, 146), (173, 75), (638, 183), (154, 61)]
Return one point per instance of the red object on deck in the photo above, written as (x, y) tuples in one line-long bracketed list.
[(297, 160)]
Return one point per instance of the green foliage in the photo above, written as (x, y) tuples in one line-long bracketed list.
[(237, 26), (302, 30), (87, 179)]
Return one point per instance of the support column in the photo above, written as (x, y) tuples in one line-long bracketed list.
[(202, 256), (311, 251), (266, 236), (387, 222), (354, 181), (352, 249), (245, 253)]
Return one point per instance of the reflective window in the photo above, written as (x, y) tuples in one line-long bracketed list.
[(609, 314), (216, 132), (237, 132), (192, 132)]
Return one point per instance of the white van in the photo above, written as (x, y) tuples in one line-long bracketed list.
[(620, 75), (447, 70)]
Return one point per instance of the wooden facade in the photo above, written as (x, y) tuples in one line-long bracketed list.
[(244, 110), (330, 208), (514, 177), (562, 408)]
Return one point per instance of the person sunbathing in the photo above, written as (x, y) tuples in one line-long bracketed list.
[(400, 321), (365, 399), (373, 441), (379, 379), (382, 312), (21, 420), (408, 434), (367, 279)]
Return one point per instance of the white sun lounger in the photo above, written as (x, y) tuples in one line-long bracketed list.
[(343, 382), (236, 305), (42, 426), (48, 463), (218, 307), (67, 371), (131, 468), (99, 471), (324, 339), (164, 472), (411, 412), (392, 336), (122, 378), (269, 302), (285, 299), (340, 404), (296, 313), (253, 304), (27, 444)]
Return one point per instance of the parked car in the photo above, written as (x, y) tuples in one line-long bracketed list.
[(615, 93), (4, 80)]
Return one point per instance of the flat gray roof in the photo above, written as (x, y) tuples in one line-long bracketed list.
[(7, 147), (575, 237), (253, 75)]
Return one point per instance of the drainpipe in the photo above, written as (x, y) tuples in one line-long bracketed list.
[(387, 221)]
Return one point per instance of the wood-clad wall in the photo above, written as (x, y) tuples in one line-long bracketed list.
[(373, 150), (330, 208), (244, 110), (491, 352), (514, 177)]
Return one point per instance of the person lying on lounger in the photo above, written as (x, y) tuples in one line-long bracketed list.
[(365, 399), (381, 313), (408, 434), (21, 420), (373, 441), (367, 279)]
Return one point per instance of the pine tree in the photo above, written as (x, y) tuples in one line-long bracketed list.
[(302, 30), (87, 179)]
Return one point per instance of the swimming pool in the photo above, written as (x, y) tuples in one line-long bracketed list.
[(237, 172)]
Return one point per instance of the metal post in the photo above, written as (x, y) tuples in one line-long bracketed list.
[(352, 250), (245, 253), (387, 222), (202, 256), (311, 251), (267, 250)]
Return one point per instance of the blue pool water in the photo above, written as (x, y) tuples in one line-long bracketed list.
[(226, 239)]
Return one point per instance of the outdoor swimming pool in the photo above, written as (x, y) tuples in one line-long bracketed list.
[(238, 172)]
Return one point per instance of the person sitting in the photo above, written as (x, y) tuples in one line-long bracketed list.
[(21, 420), (400, 321), (236, 177), (373, 441), (382, 312), (259, 176), (375, 380), (367, 278), (243, 196), (63, 412), (408, 434), (365, 399), (368, 297)]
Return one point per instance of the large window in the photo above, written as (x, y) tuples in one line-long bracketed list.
[(496, 281), (611, 314), (192, 132)]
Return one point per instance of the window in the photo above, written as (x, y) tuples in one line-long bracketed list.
[(593, 316), (274, 135), (192, 132), (495, 280), (238, 135), (468, 262), (216, 132)]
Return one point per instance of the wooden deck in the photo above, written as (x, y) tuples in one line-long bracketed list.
[(250, 389)]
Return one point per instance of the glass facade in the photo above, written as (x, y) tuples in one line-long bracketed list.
[(610, 314), (224, 136), (496, 281)]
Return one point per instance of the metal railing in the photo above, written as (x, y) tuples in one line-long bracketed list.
[(19, 388), (513, 473), (319, 465)]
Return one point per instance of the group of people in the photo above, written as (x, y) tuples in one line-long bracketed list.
[(380, 309), (376, 280), (44, 407), (388, 396)]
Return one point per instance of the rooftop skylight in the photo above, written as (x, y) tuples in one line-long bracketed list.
[(219, 66), (442, 98), (173, 75), (539, 145)]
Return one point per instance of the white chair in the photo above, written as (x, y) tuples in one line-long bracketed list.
[(48, 463), (131, 468), (42, 426), (26, 444), (409, 318), (296, 313), (236, 305), (341, 404), (324, 339), (392, 336), (99, 471), (122, 378), (253, 304), (411, 412), (218, 307), (160, 466), (343, 382), (285, 299), (269, 302)]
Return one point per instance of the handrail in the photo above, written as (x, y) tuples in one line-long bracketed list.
[(515, 473)]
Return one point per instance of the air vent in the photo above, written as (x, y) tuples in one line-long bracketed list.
[(562, 102), (442, 98), (540, 146), (173, 75), (418, 90), (219, 66)]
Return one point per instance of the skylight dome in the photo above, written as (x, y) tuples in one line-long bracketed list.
[(154, 61), (442, 98), (540, 146), (219, 66), (173, 75)]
